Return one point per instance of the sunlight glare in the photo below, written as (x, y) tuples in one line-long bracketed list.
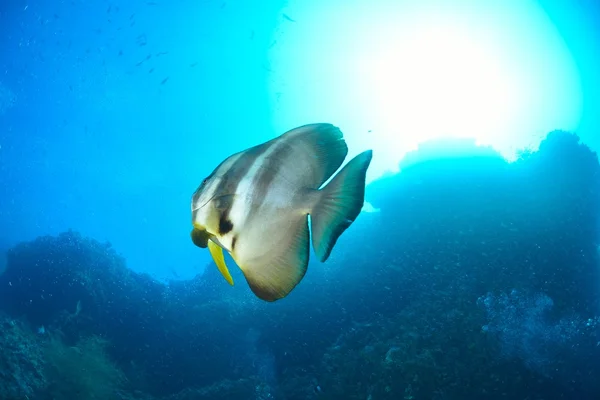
[(443, 83), (394, 74)]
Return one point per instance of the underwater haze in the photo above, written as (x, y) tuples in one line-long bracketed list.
[(472, 271)]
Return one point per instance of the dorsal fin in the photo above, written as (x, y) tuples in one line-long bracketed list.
[(318, 150)]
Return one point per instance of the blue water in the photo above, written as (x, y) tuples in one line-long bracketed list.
[(467, 276)]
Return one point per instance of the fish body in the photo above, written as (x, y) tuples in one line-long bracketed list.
[(256, 206)]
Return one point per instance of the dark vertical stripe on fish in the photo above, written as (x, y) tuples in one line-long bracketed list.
[(232, 178), (266, 176)]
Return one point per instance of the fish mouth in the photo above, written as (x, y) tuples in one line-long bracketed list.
[(198, 227)]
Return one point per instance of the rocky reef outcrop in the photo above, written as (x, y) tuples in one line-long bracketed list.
[(477, 278)]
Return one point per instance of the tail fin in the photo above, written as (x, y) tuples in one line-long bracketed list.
[(339, 204)]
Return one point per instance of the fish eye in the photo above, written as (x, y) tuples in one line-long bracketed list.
[(202, 184)]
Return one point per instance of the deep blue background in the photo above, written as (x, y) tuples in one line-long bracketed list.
[(121, 109)]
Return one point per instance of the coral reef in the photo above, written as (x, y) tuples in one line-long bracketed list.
[(84, 370), (240, 389), (476, 279), (21, 361)]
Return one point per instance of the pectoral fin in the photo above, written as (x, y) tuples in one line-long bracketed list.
[(217, 254)]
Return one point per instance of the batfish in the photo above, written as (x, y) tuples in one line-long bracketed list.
[(257, 203)]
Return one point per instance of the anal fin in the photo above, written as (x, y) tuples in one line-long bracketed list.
[(273, 268)]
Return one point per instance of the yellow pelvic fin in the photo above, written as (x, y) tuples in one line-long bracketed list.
[(217, 254)]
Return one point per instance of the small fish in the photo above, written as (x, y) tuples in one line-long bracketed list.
[(256, 203), (288, 18), (164, 80), (148, 57)]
